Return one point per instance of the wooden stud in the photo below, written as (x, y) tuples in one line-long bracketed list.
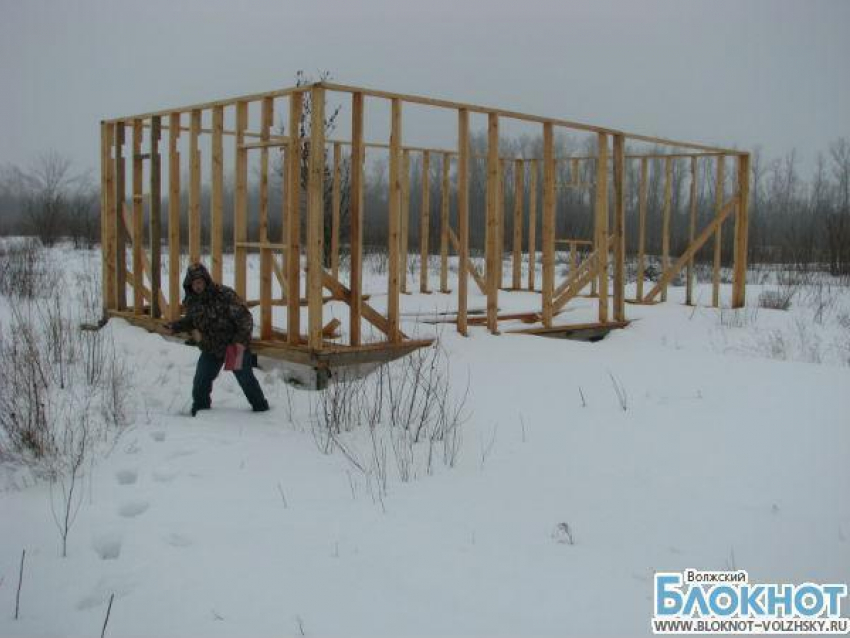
[(619, 233), (173, 217), (462, 218), (240, 204), (602, 223), (493, 254), (336, 195), (110, 224), (500, 224), (104, 189), (548, 234), (315, 217), (356, 217), (405, 219), (519, 193), (742, 222), (665, 222), (532, 224), (138, 218), (293, 218), (266, 117), (195, 189), (444, 224), (424, 222), (155, 216), (644, 174), (394, 238), (217, 193), (719, 194), (689, 278), (573, 257)]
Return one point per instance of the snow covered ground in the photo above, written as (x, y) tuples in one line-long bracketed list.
[(693, 438)]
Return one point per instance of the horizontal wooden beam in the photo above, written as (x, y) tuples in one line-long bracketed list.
[(580, 126), (434, 102), (254, 97)]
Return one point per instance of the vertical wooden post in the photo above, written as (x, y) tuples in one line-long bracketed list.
[(665, 223), (692, 226), (356, 217), (138, 220), (173, 217), (532, 223), (548, 234), (493, 256), (644, 173), (240, 204), (718, 207), (393, 285), (108, 245), (462, 218), (293, 219), (195, 188), (315, 217), (335, 205), (155, 216), (601, 235), (519, 193), (266, 116), (404, 229), (424, 221), (120, 229), (104, 162), (444, 225), (573, 258), (619, 228), (500, 225), (742, 222), (217, 199)]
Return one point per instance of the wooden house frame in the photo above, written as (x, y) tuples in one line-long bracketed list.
[(137, 140)]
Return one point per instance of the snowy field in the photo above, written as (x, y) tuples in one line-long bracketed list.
[(694, 438)]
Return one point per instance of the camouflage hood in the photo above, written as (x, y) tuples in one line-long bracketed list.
[(197, 271)]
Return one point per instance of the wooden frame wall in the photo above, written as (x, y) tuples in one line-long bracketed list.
[(122, 222)]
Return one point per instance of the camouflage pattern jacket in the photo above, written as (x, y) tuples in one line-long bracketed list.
[(218, 313)]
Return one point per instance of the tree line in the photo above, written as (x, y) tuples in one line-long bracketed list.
[(797, 219)]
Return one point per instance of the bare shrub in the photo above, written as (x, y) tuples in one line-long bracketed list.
[(738, 317), (776, 299), (26, 271), (409, 408), (50, 369)]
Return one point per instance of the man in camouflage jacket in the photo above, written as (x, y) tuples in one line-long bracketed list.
[(222, 318)]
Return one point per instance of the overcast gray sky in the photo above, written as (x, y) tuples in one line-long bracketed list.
[(732, 73)]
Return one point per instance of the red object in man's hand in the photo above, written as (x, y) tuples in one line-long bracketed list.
[(233, 356)]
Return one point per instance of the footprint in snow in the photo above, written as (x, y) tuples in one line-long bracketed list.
[(178, 540), (132, 509), (119, 584), (158, 436), (126, 477), (108, 545)]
